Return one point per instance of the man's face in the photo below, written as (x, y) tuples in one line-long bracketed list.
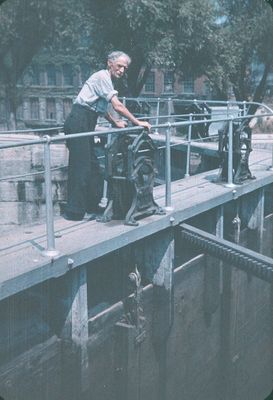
[(118, 67)]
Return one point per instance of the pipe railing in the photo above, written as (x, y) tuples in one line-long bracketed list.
[(170, 102), (51, 251), (47, 141), (62, 138), (156, 100), (187, 173)]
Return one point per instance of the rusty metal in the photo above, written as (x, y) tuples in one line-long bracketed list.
[(133, 317), (233, 254), (130, 173), (241, 148), (137, 314)]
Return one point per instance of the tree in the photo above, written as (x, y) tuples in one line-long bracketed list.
[(220, 39), (136, 27), (244, 35), (194, 33), (152, 32), (24, 27), (29, 28)]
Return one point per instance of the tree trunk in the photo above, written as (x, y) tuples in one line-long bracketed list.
[(240, 90), (135, 76), (142, 79), (260, 89)]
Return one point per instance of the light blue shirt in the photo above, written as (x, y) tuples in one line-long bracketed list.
[(97, 92)]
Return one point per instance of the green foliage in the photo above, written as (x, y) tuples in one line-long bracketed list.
[(245, 36), (194, 32), (270, 2), (50, 31), (217, 38), (24, 27), (138, 27), (173, 34)]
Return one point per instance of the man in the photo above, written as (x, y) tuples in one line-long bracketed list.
[(84, 187)]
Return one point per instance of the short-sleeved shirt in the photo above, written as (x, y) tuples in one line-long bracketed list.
[(97, 92)]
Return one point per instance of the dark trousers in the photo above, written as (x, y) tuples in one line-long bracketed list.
[(85, 181)]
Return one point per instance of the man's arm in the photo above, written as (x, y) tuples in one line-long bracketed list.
[(120, 108), (115, 123)]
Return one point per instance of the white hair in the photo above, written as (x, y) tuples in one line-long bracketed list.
[(114, 55)]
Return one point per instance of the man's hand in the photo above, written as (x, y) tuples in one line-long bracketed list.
[(122, 110), (120, 123), (145, 125)]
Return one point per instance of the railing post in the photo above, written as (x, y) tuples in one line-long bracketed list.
[(230, 154), (244, 108), (157, 114), (168, 178), (219, 232), (271, 166), (50, 251), (104, 200), (187, 173), (169, 108), (228, 109)]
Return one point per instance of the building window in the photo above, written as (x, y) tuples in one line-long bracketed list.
[(2, 109), (188, 84), (51, 75), (67, 75), (20, 112), (34, 108), (150, 83), (35, 75), (169, 82), (50, 109), (67, 105)]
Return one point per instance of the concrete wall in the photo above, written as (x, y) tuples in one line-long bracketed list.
[(22, 187)]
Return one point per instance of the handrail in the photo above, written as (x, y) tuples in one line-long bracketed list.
[(197, 101), (32, 130), (47, 141), (157, 100), (108, 131)]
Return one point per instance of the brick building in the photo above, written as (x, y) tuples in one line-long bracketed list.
[(47, 92), (165, 83)]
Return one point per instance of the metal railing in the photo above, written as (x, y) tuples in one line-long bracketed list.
[(47, 140), (169, 102)]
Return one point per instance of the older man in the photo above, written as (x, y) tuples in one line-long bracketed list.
[(84, 177)]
